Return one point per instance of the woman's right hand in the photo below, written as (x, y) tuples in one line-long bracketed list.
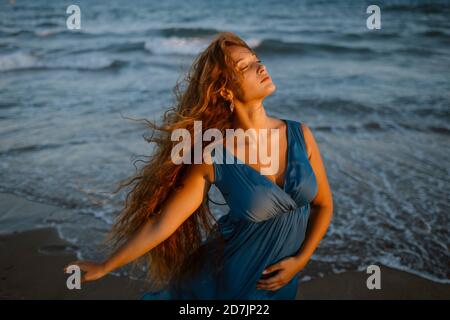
[(92, 270)]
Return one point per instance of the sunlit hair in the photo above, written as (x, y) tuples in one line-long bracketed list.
[(212, 71)]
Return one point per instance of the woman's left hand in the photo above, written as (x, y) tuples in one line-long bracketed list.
[(287, 268)]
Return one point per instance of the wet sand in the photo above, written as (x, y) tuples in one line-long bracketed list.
[(32, 265), (32, 261)]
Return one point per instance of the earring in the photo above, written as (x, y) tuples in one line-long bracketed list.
[(231, 106)]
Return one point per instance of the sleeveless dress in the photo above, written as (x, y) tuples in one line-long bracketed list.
[(265, 224)]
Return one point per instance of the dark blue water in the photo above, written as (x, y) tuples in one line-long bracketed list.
[(377, 101)]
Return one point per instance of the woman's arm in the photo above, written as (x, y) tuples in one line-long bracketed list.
[(178, 207), (322, 205)]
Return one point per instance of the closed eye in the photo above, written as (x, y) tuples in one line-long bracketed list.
[(244, 68)]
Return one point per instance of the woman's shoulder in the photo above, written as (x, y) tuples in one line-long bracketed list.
[(308, 137), (300, 124), (210, 154), (204, 169)]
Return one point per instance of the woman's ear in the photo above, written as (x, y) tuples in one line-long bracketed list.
[(226, 94)]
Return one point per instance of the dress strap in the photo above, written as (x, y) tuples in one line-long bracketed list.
[(218, 174), (296, 128)]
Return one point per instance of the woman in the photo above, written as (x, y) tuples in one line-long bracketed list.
[(275, 222)]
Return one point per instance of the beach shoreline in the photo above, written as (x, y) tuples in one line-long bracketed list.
[(32, 264)]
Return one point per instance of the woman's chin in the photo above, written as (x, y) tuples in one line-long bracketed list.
[(271, 88)]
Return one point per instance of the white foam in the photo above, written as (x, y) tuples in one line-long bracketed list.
[(22, 60), (188, 46), (176, 45), (16, 60)]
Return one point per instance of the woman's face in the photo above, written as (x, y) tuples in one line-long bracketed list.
[(256, 83)]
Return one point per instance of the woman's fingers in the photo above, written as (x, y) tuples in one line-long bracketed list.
[(269, 287), (272, 283), (269, 281), (91, 270)]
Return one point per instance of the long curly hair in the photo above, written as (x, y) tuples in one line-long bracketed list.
[(212, 70)]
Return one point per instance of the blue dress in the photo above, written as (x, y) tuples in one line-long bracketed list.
[(265, 224)]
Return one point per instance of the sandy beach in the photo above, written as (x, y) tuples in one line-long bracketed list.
[(32, 264), (32, 268)]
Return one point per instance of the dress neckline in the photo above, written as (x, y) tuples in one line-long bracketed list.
[(286, 168)]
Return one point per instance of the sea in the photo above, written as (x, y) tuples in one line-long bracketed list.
[(376, 100)]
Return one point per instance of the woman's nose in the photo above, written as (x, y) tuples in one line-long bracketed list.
[(261, 68)]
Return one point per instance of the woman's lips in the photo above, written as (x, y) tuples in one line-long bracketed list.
[(265, 78)]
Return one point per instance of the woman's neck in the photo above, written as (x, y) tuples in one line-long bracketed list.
[(251, 116)]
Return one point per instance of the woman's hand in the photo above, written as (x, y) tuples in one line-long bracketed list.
[(287, 269), (92, 270)]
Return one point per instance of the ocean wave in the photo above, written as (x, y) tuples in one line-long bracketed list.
[(17, 60), (160, 46), (418, 52), (7, 104), (30, 148), (374, 126), (47, 24), (367, 126), (417, 8), (184, 46), (119, 47), (51, 29), (367, 36), (440, 113), (426, 128), (11, 32), (26, 61), (176, 45), (126, 47), (49, 32), (336, 105), (278, 46), (435, 34), (187, 32)]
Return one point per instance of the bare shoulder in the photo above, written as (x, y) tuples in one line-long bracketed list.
[(309, 138), (205, 169), (324, 196)]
